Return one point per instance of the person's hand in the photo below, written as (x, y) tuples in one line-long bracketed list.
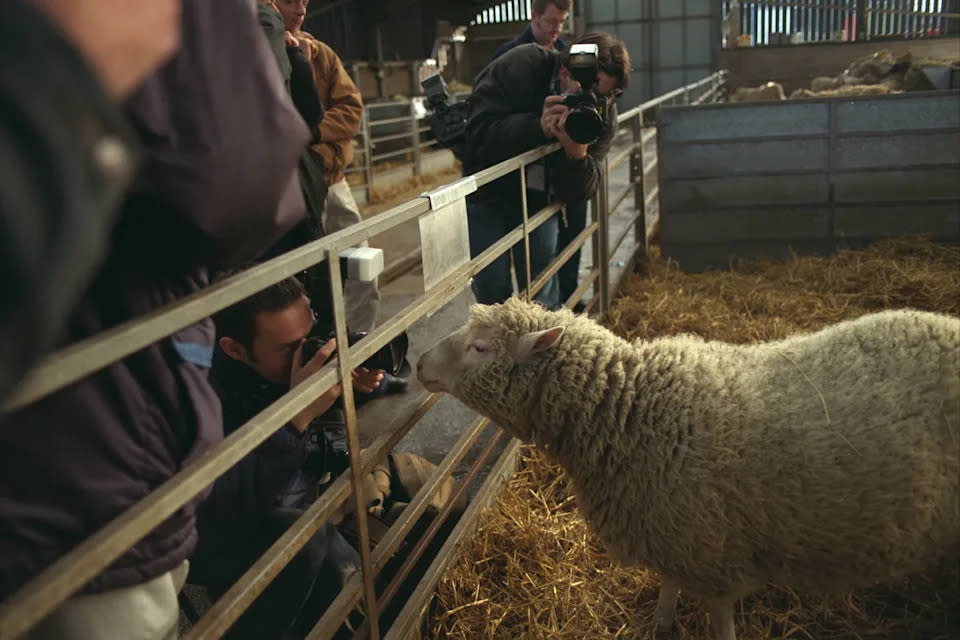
[(571, 147), (123, 40), (300, 372), (367, 380), (290, 40), (553, 111)]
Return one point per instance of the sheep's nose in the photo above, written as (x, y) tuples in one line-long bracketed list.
[(419, 366)]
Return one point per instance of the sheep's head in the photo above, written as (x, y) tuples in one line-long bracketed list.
[(493, 363)]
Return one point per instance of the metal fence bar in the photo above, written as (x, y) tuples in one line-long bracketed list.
[(623, 196), (232, 604), (392, 154), (577, 295), (604, 235), (621, 157), (415, 140), (353, 441), (557, 263), (500, 473), (69, 573), (350, 593), (428, 535)]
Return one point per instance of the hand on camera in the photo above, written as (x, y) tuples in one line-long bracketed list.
[(572, 148), (367, 380), (300, 372), (553, 111)]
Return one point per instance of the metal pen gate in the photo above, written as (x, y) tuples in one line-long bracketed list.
[(50, 588)]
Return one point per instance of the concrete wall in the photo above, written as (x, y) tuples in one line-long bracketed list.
[(795, 66)]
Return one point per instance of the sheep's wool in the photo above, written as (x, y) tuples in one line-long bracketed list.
[(825, 461)]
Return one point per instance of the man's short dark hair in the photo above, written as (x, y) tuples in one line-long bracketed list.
[(613, 57), (540, 6), (240, 320)]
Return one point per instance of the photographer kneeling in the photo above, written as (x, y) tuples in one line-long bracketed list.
[(259, 357), (526, 98)]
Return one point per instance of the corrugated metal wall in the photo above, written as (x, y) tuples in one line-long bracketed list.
[(672, 42), (763, 179)]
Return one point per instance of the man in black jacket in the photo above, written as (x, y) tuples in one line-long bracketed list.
[(259, 359), (515, 107)]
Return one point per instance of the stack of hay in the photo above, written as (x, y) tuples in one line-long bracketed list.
[(880, 73), (770, 92), (534, 570), (877, 74)]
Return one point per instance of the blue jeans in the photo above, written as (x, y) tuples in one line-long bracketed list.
[(569, 273), (489, 222)]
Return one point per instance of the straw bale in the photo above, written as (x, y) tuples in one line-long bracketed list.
[(534, 570), (845, 91), (769, 92)]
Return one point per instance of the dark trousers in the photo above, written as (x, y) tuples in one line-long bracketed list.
[(488, 222), (569, 273), (295, 599)]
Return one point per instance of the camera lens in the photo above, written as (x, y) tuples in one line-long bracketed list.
[(584, 125), (390, 358), (310, 347)]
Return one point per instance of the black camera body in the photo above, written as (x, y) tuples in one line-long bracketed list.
[(585, 121), (389, 358), (449, 120)]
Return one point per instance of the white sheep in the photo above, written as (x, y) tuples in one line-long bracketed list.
[(823, 461)]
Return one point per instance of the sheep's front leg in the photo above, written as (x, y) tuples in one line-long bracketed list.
[(666, 604), (721, 618)]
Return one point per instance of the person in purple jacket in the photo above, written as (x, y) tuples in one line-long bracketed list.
[(216, 187)]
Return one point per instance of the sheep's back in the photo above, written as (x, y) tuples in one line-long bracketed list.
[(827, 460)]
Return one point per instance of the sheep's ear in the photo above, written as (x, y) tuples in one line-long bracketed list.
[(537, 341)]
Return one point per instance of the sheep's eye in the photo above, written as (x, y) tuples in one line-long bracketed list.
[(479, 347)]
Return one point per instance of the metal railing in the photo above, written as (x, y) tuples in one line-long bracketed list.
[(401, 134), (54, 585)]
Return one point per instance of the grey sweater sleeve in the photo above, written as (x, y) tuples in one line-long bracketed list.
[(66, 156)]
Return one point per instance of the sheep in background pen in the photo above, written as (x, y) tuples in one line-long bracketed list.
[(824, 461)]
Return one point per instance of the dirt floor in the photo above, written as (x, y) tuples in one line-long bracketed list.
[(534, 570)]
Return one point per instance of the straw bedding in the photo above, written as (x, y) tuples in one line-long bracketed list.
[(534, 570)]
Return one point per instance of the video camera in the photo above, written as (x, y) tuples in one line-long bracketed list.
[(587, 110), (390, 358), (449, 120)]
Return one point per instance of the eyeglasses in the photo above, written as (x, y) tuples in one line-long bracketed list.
[(613, 94)]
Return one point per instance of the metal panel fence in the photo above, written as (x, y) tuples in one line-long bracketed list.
[(46, 591), (774, 22), (397, 133), (767, 179)]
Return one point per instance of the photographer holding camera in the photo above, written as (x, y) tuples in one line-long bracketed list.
[(526, 98), (262, 352)]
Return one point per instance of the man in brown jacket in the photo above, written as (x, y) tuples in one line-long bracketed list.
[(343, 113)]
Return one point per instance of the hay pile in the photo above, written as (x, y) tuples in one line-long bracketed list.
[(877, 74), (769, 92), (534, 570)]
